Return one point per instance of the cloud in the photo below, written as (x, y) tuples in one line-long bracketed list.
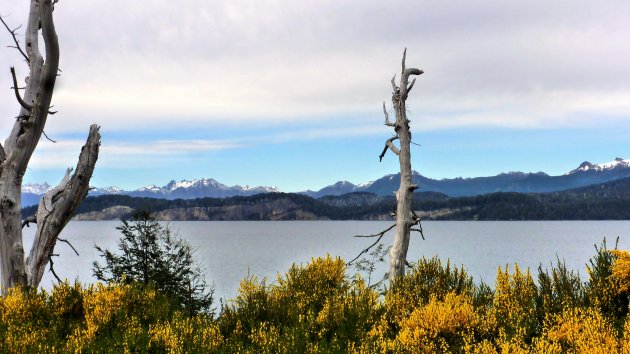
[(532, 64), (117, 154)]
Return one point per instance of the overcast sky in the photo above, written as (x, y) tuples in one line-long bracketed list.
[(289, 93)]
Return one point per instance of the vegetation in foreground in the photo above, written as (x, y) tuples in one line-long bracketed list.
[(318, 307), (152, 254)]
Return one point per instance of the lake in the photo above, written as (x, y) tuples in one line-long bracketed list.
[(231, 250)]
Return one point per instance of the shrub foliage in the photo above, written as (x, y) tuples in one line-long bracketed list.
[(150, 254), (319, 307)]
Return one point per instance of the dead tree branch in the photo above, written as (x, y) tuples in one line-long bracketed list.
[(418, 230), (69, 244), (56, 207), (411, 85), (387, 122), (43, 132), (17, 42), (389, 144), (379, 235), (52, 267), (27, 221), (22, 103)]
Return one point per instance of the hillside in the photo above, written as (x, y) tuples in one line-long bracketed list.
[(609, 200)]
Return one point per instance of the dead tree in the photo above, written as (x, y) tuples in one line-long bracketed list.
[(405, 217), (57, 205)]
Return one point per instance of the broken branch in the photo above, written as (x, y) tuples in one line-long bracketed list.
[(56, 207), (28, 220), (389, 145), (23, 103), (403, 61), (393, 147), (411, 85)]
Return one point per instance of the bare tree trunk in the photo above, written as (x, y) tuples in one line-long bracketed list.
[(405, 217), (17, 152)]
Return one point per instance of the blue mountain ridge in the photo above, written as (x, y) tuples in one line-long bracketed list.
[(584, 175)]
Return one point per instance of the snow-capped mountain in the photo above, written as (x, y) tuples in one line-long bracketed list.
[(586, 166), (585, 174), (35, 188), (198, 188), (96, 191), (185, 189), (150, 188), (32, 193), (521, 182)]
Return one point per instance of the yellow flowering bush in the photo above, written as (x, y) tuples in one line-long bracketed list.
[(514, 303), (24, 322), (310, 308), (604, 289), (318, 307), (426, 279), (185, 334), (621, 270), (578, 331), (440, 325)]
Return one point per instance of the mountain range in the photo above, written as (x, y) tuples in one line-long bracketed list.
[(605, 201), (584, 175)]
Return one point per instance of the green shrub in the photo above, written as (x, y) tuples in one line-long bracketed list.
[(151, 254), (558, 288), (603, 290)]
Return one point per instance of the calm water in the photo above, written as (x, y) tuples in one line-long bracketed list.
[(231, 250)]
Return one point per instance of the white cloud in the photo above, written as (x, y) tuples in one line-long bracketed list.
[(531, 64), (123, 154)]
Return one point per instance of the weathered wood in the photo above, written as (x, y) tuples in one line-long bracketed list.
[(19, 147), (56, 207), (405, 218)]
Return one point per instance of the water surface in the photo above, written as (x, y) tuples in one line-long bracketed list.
[(232, 250)]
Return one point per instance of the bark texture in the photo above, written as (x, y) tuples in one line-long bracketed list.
[(58, 205), (405, 217)]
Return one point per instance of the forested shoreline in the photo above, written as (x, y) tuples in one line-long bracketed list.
[(609, 201)]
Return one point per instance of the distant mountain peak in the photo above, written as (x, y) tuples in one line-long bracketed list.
[(107, 190), (587, 166), (195, 183), (364, 185), (152, 188), (343, 183), (36, 188), (512, 173)]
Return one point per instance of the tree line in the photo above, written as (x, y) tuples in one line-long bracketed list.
[(610, 201)]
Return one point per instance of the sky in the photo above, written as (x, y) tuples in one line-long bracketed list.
[(290, 93)]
